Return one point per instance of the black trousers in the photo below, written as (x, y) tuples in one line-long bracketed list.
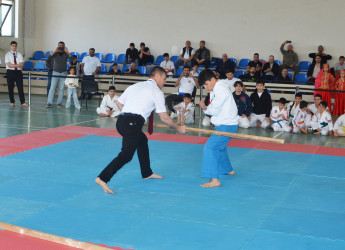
[(133, 139), (15, 76), (172, 99)]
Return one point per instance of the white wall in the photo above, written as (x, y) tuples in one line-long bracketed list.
[(238, 27)]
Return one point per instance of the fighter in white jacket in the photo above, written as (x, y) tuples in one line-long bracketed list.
[(299, 118), (322, 120), (279, 117), (108, 106)]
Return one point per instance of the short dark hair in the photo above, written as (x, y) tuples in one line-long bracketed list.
[(341, 57), (69, 70), (111, 88), (205, 75), (13, 42), (165, 55), (186, 67), (229, 71), (92, 49), (324, 104), (256, 54), (202, 41), (260, 82), (157, 70), (317, 56), (238, 83), (131, 44), (282, 100), (188, 96), (318, 95), (114, 64), (298, 95), (74, 57), (303, 104), (142, 44), (62, 42)]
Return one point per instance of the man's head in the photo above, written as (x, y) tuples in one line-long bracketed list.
[(166, 56), (202, 44), (229, 74), (323, 105), (320, 49), (207, 79), (256, 57), (61, 46), (290, 47), (318, 59), (188, 44), (271, 59), (133, 66), (115, 66), (92, 52), (13, 45), (74, 58), (142, 45), (341, 60), (317, 99), (238, 86), (159, 75), (187, 98), (224, 57), (252, 71), (303, 105), (112, 91), (284, 72), (298, 98), (282, 102), (186, 71), (132, 46)]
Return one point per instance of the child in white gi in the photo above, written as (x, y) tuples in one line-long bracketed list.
[(339, 126), (185, 110), (299, 118), (108, 106), (312, 109), (72, 84), (292, 107), (279, 117), (322, 121)]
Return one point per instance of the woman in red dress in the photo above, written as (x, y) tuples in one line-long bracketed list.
[(325, 80), (339, 105)]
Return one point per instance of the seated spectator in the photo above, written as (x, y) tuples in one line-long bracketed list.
[(298, 121), (314, 69), (194, 72), (324, 57), (322, 121), (108, 106), (186, 56), (270, 69), (202, 55), (185, 84), (185, 110), (256, 63), (244, 105), (167, 65), (339, 126), (290, 58), (312, 109), (115, 70), (224, 65), (132, 55), (132, 71), (339, 104), (262, 105), (325, 81), (339, 65), (280, 116), (252, 76), (144, 55), (292, 107), (231, 80), (283, 77)]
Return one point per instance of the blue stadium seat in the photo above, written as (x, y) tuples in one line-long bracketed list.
[(289, 74), (159, 59), (301, 78), (46, 55), (304, 66), (28, 65), (277, 62), (125, 68), (150, 69), (38, 55), (121, 58), (239, 73), (67, 66), (82, 56), (234, 60), (99, 55), (214, 61), (103, 69), (142, 70), (109, 58), (39, 66), (243, 63), (174, 58), (179, 71)]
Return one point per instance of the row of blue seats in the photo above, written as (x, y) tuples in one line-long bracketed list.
[(111, 58)]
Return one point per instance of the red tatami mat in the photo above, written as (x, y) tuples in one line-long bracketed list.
[(20, 143)]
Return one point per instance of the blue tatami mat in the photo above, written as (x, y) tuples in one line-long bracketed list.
[(276, 200)]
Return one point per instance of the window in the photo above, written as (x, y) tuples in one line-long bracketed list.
[(7, 13)]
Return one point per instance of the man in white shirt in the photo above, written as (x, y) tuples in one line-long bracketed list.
[(186, 84), (108, 106), (14, 64), (90, 65), (136, 104), (223, 110), (168, 65), (186, 56)]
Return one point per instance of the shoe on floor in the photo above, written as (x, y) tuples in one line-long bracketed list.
[(59, 106), (173, 115), (48, 105)]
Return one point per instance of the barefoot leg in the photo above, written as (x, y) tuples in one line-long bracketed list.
[(154, 176), (231, 173), (212, 183), (104, 186)]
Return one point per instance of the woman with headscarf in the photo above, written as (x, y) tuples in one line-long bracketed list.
[(325, 81), (339, 104)]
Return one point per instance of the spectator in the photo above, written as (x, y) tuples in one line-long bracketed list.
[(314, 69), (75, 64), (132, 71), (132, 55), (186, 56), (108, 106), (224, 65), (194, 72), (231, 80), (14, 64), (115, 70), (322, 124), (292, 107), (186, 84), (90, 66), (279, 117), (283, 77), (49, 66), (202, 55), (340, 65), (256, 63), (298, 121), (290, 58), (185, 110), (72, 84), (244, 105), (312, 109), (59, 61), (167, 65), (270, 69), (325, 81), (144, 55), (251, 76), (339, 104), (324, 57)]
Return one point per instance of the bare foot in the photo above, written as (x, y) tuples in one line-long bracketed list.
[(154, 176), (12, 105), (231, 173), (25, 105), (104, 186), (212, 183)]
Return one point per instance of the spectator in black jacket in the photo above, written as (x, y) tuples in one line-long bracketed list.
[(324, 57), (255, 63), (202, 56), (224, 65), (314, 69), (132, 55), (251, 76), (283, 77), (270, 70), (244, 105), (262, 105)]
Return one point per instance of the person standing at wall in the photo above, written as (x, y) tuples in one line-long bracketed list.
[(14, 64)]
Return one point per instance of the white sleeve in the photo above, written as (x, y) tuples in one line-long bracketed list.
[(329, 120), (104, 103), (20, 58), (7, 58), (83, 61), (338, 122), (193, 52), (216, 105), (123, 97), (159, 102), (98, 63)]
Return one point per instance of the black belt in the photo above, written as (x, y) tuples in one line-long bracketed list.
[(134, 115)]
